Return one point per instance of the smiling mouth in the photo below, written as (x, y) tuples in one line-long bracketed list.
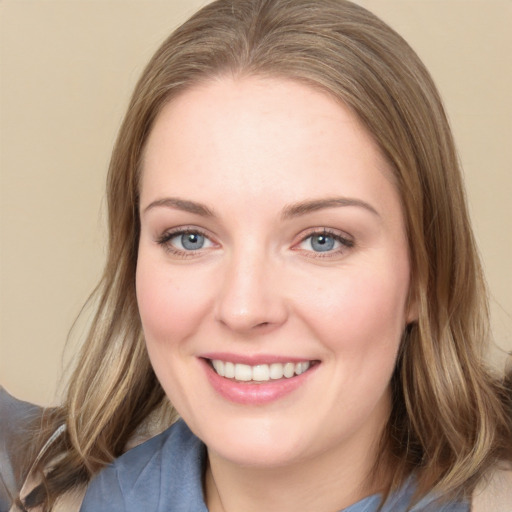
[(260, 372)]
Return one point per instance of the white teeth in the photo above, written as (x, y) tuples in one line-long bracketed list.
[(260, 372), (219, 367), (276, 371), (229, 370), (301, 368), (243, 372), (289, 370)]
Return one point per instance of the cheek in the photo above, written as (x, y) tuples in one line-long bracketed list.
[(360, 321), (170, 304), (360, 312)]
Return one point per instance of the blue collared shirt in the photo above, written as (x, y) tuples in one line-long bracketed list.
[(165, 473)]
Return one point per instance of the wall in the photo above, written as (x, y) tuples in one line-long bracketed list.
[(67, 69)]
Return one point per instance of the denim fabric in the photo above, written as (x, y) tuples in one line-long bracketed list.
[(165, 475), (15, 420)]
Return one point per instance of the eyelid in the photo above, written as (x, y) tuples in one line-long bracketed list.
[(165, 238), (347, 242)]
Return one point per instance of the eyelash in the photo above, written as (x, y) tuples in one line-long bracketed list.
[(345, 242), (165, 238)]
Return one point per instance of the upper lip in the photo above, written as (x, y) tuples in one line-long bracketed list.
[(254, 359)]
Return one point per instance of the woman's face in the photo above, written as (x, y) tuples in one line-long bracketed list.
[(273, 272)]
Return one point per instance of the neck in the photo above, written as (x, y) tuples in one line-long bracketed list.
[(333, 481)]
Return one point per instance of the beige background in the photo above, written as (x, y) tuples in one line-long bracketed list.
[(67, 69)]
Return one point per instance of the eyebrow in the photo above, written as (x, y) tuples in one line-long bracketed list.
[(290, 211), (181, 204), (305, 207)]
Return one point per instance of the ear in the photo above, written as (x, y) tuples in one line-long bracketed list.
[(412, 308)]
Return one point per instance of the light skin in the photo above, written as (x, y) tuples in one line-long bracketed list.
[(294, 249)]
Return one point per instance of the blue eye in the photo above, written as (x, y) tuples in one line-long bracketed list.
[(325, 242), (191, 241), (185, 241), (322, 242)]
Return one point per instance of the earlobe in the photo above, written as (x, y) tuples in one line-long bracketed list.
[(412, 310), (412, 314)]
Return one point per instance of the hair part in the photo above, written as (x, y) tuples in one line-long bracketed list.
[(451, 416)]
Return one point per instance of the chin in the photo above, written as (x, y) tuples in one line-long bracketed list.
[(261, 442), (246, 454)]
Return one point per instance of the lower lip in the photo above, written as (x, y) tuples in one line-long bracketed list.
[(255, 393)]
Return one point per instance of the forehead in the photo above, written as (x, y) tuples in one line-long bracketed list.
[(260, 135)]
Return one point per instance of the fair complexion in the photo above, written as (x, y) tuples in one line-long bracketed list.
[(272, 238)]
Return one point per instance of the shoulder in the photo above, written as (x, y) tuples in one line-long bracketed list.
[(164, 473), (16, 418), (402, 500), (16, 414)]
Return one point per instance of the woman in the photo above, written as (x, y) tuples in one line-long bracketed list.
[(290, 265)]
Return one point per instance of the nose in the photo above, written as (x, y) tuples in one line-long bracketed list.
[(251, 297)]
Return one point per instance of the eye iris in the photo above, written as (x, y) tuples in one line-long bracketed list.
[(192, 241), (322, 243)]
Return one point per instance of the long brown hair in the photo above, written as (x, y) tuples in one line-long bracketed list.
[(451, 418)]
